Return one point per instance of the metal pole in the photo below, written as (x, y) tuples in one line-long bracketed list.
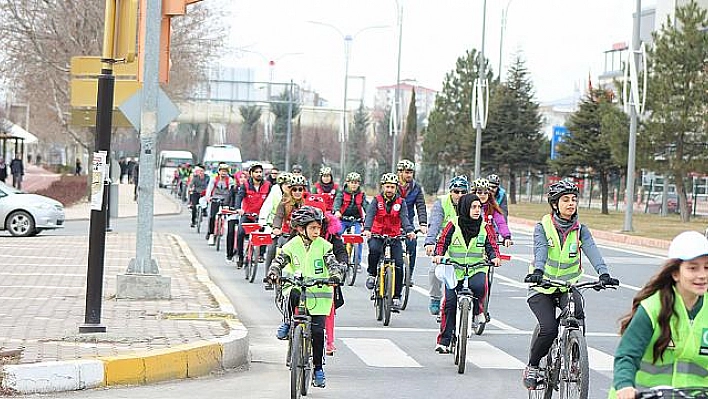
[(478, 141), (347, 51), (397, 100), (505, 13), (289, 133), (634, 102), (97, 237)]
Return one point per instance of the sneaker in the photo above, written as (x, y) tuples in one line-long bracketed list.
[(261, 259), (475, 321), (531, 377), (396, 305), (283, 331), (411, 283), (211, 240), (192, 225), (434, 306), (370, 282), (206, 237), (330, 349), (229, 259), (442, 349), (239, 263), (318, 379)]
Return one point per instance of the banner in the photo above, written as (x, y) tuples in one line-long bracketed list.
[(98, 176)]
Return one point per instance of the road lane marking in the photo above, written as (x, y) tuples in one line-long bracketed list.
[(380, 352), (600, 360), (630, 287), (487, 356), (502, 326)]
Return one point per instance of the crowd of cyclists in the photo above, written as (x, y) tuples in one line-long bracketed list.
[(664, 337)]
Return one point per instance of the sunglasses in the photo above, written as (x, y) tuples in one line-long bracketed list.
[(459, 191), (297, 189), (274, 173), (482, 191)]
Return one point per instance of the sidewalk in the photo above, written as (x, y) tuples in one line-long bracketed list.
[(35, 179), (43, 293), (163, 205)]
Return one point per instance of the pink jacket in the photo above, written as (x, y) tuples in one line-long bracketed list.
[(498, 221)]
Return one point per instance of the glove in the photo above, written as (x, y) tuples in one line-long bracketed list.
[(335, 279), (534, 278), (605, 279), (273, 274)]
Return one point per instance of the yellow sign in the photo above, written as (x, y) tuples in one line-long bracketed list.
[(90, 66), (84, 92), (87, 118)]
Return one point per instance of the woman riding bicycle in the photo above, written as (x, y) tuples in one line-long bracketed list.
[(311, 255), (665, 336), (492, 209), (326, 186), (557, 242), (349, 205), (464, 240)]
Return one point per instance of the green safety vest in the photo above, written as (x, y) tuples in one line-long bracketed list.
[(685, 360), (449, 210), (467, 254), (562, 263), (312, 265)]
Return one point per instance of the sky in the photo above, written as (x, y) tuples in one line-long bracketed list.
[(562, 41)]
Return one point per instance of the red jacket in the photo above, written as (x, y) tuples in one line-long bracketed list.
[(358, 200), (387, 223), (328, 196), (254, 199)]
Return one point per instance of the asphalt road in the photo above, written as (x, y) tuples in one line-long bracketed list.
[(397, 361)]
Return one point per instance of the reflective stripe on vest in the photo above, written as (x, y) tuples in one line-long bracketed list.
[(467, 254), (560, 264), (312, 265)]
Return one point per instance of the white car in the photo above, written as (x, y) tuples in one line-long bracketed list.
[(25, 215)]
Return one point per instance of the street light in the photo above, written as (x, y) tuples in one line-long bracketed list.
[(397, 93), (480, 97), (504, 16), (348, 41)]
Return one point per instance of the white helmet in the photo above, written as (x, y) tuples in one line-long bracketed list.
[(688, 245)]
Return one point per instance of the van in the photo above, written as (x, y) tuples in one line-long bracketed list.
[(222, 153), (168, 163)]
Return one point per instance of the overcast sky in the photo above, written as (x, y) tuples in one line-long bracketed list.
[(562, 40)]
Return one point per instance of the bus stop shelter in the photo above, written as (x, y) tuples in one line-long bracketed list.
[(13, 139)]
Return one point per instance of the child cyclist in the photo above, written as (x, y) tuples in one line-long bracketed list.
[(311, 255), (326, 186), (349, 205), (387, 215), (465, 241)]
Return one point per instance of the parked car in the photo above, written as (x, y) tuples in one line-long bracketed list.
[(654, 205), (26, 215)]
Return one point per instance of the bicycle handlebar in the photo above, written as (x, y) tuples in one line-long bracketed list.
[(307, 282), (596, 285), (669, 392)]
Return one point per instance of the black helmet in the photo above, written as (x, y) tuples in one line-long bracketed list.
[(561, 188), (494, 179), (305, 215), (296, 169)]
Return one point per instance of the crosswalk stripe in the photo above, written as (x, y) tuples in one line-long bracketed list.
[(600, 360), (380, 352), (487, 356)]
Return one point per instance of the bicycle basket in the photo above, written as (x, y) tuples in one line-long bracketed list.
[(352, 238), (250, 227), (261, 238)]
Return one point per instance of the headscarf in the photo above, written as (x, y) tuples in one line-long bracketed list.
[(470, 227)]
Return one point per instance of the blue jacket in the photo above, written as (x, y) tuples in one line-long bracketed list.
[(415, 201), (501, 201)]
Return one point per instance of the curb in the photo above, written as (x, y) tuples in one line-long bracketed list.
[(144, 367)]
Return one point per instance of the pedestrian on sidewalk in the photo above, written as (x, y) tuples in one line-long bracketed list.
[(131, 167), (136, 172), (18, 171), (77, 171), (3, 170), (123, 170)]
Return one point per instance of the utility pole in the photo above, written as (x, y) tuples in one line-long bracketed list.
[(397, 100), (480, 109), (289, 133)]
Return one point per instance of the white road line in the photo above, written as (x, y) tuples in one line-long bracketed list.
[(43, 274), (380, 352), (510, 281), (600, 360), (382, 329), (43, 287), (502, 326), (630, 287), (487, 356)]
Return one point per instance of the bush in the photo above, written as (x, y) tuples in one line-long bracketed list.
[(68, 189)]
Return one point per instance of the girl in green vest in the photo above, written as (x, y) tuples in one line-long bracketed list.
[(665, 336), (557, 242), (311, 255), (464, 240)]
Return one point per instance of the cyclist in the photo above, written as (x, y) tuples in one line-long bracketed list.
[(326, 186), (664, 337), (414, 199), (217, 194), (248, 201), (270, 206), (386, 215), (444, 210), (197, 188), (296, 170), (273, 174), (465, 241), (349, 205), (311, 255), (557, 241), (491, 208), (498, 193), (296, 199)]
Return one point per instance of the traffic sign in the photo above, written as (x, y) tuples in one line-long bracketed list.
[(87, 118), (167, 111)]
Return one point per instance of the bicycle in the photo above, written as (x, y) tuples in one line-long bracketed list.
[(202, 207), (351, 243), (465, 304), (384, 286), (255, 241), (299, 357), (670, 392), (220, 224), (566, 369)]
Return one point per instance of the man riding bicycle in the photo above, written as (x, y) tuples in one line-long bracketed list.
[(248, 201), (311, 255), (414, 200), (349, 206), (197, 188), (387, 215), (217, 194)]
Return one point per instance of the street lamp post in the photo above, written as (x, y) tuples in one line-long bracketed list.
[(480, 108), (397, 93), (505, 13)]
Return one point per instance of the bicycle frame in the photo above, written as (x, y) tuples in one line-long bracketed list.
[(668, 392)]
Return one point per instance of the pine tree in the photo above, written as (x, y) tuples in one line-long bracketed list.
[(410, 138), (677, 98), (358, 150), (250, 145)]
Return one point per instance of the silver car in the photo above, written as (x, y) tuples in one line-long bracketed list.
[(25, 215)]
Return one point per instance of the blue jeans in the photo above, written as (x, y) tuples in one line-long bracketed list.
[(375, 254), (478, 284), (346, 225)]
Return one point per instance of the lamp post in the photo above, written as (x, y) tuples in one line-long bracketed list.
[(348, 41), (479, 102), (505, 13), (397, 93)]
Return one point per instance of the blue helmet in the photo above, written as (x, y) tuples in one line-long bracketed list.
[(459, 182)]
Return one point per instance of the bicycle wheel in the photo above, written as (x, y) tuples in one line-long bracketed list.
[(463, 322), (352, 265), (199, 220), (296, 365), (388, 295), (247, 262), (576, 373), (254, 262), (306, 378), (406, 289), (378, 308), (218, 231), (544, 391)]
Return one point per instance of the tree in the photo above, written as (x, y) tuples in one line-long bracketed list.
[(251, 115), (677, 98), (587, 146), (358, 152), (410, 138), (281, 109)]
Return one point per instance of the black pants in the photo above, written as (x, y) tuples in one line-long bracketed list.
[(194, 201), (240, 237), (478, 284), (375, 253), (213, 210), (411, 246), (317, 328), (544, 308), (270, 253), (230, 229)]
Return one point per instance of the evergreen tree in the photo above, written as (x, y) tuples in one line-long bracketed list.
[(358, 150), (280, 127), (251, 115), (410, 138), (677, 98)]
